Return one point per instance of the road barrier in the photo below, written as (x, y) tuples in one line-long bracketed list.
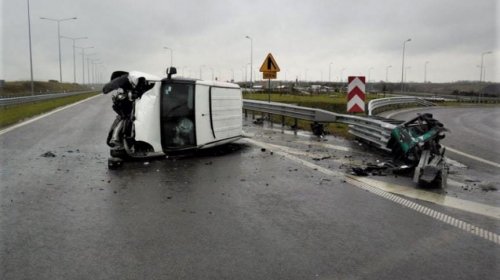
[(431, 168), (375, 130), (33, 98), (389, 101)]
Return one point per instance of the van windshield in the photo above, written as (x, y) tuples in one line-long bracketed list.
[(177, 115)]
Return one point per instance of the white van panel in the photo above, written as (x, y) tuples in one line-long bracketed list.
[(226, 112)]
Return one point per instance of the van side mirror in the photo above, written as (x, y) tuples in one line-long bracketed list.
[(171, 71)]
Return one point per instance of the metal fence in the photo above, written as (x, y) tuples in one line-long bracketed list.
[(383, 102), (373, 129), (33, 98)]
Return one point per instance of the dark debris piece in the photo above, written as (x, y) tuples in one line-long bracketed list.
[(358, 171), (381, 169), (48, 154), (258, 121)]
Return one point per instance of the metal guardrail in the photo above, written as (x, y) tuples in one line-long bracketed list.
[(375, 130), (382, 102), (32, 98)]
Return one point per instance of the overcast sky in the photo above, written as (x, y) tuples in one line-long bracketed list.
[(303, 36)]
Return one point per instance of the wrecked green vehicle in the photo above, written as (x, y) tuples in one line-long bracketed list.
[(416, 142)]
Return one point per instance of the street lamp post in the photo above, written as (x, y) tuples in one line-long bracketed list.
[(403, 64), (83, 62), (330, 71), (369, 78), (171, 55), (482, 63), (94, 70), (251, 59), (74, 56), (369, 74), (88, 67), (481, 75), (425, 71), (201, 69), (31, 56), (387, 73), (341, 74), (59, 39), (406, 72)]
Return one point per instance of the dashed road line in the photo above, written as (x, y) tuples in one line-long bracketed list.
[(371, 186)]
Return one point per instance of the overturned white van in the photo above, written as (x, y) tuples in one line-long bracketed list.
[(172, 114)]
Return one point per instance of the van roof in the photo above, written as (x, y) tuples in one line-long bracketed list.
[(205, 82)]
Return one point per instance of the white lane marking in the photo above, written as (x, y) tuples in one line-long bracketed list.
[(10, 128), (473, 157), (367, 185), (444, 200), (329, 146)]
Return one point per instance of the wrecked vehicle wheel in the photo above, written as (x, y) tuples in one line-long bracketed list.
[(114, 163), (118, 153)]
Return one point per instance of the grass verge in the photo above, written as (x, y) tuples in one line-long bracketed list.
[(12, 114)]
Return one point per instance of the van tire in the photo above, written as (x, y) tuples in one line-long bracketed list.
[(114, 163), (118, 153)]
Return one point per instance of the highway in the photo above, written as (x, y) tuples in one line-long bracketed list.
[(275, 206)]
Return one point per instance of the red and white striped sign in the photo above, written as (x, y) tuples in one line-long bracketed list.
[(356, 94)]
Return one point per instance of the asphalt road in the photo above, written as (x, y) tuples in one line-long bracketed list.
[(240, 212)]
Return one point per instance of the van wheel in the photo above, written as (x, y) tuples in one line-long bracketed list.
[(114, 163), (118, 153)]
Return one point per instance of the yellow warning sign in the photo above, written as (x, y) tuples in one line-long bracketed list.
[(269, 65)]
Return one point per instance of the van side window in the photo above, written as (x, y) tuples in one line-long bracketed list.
[(177, 110)]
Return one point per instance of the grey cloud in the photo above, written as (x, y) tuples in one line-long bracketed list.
[(355, 35)]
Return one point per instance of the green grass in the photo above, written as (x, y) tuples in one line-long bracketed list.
[(14, 113), (22, 88)]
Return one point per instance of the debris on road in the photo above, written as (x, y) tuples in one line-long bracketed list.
[(321, 158), (358, 171), (48, 154), (259, 121), (381, 169), (318, 129), (488, 187)]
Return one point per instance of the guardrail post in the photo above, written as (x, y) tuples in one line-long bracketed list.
[(282, 121), (295, 126), (270, 119), (246, 113)]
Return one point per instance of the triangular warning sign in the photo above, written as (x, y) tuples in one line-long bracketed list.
[(269, 64)]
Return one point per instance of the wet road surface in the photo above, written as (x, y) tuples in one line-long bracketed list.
[(240, 212)]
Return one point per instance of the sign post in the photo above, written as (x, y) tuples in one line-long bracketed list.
[(269, 69), (356, 94)]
